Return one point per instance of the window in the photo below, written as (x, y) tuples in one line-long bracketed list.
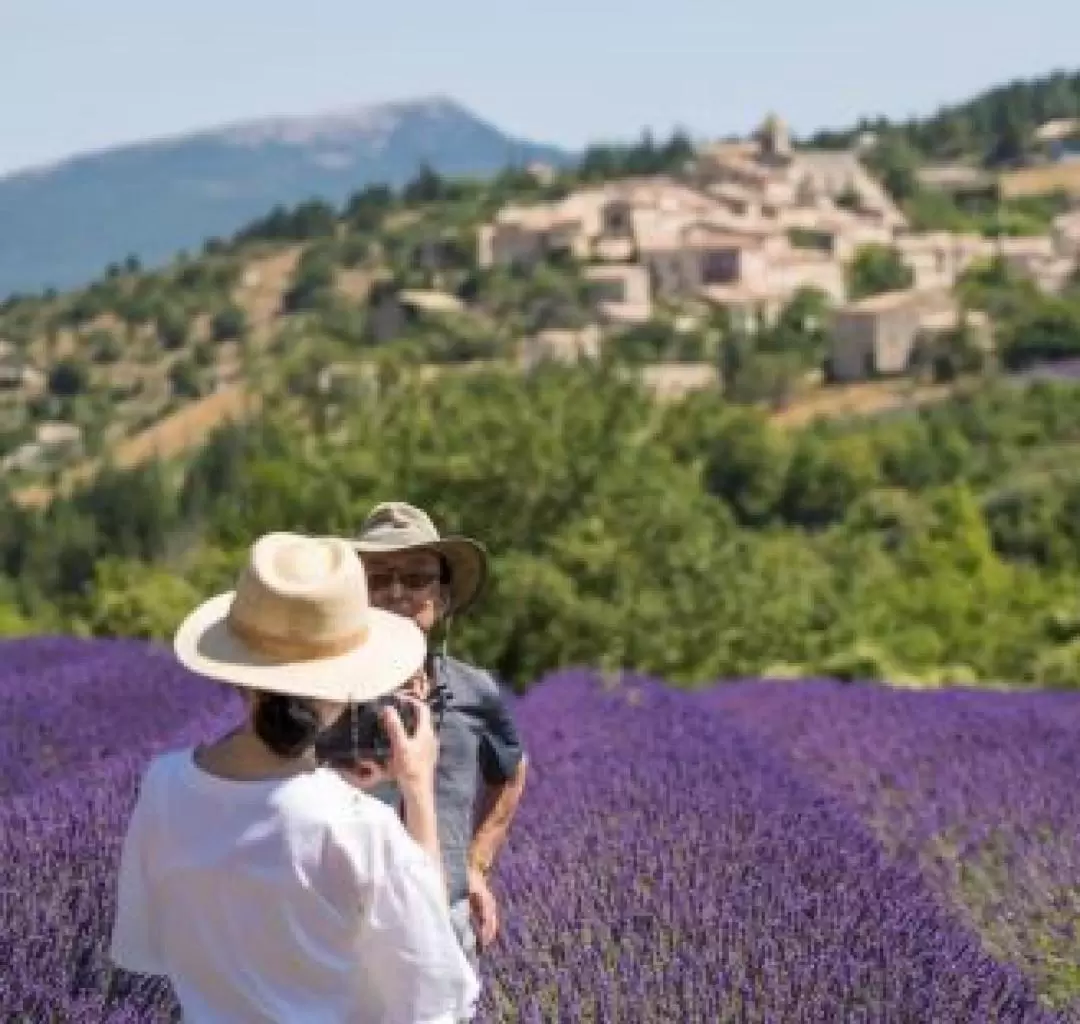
[(720, 266), (608, 290)]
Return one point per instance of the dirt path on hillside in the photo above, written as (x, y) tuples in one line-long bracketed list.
[(190, 426), (185, 429), (871, 398)]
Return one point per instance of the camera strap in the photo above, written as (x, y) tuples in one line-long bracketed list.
[(354, 722)]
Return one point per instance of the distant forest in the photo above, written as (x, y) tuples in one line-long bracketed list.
[(994, 128)]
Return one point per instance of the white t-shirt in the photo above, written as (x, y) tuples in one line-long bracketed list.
[(299, 899)]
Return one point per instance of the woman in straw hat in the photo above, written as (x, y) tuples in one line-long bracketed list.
[(263, 885)]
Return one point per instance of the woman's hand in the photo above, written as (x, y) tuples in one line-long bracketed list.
[(412, 766), (412, 758)]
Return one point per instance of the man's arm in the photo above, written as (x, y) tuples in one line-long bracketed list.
[(503, 767), (497, 806)]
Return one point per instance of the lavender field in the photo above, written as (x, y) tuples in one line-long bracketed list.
[(755, 852)]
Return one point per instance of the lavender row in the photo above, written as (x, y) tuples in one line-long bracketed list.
[(668, 867), (979, 789), (66, 705)]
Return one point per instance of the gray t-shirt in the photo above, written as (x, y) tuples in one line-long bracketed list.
[(478, 743)]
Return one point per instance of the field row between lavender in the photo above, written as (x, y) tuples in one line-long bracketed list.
[(756, 852)]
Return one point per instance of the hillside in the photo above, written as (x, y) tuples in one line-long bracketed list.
[(448, 273), (649, 363), (62, 224)]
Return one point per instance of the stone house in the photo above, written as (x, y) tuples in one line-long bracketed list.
[(605, 223), (938, 258), (391, 313), (525, 235), (770, 168), (53, 443), (1066, 234), (878, 335), (21, 378), (699, 255), (622, 292), (348, 381), (561, 346), (672, 381)]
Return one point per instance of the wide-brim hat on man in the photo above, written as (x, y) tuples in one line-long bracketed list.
[(300, 623), (395, 526)]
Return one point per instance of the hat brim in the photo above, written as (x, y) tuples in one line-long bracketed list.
[(393, 651), (467, 558)]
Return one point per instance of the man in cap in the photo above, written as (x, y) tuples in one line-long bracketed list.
[(413, 571)]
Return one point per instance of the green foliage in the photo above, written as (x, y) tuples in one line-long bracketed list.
[(367, 208), (1030, 327), (310, 220), (550, 296), (602, 162), (991, 215), (426, 187), (68, 378), (896, 163), (184, 379), (1045, 331), (995, 126), (876, 269), (14, 623), (104, 346), (132, 599), (229, 323), (173, 328), (653, 342), (313, 283), (692, 539)]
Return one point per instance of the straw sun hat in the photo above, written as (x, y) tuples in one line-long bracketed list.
[(299, 623), (395, 526)]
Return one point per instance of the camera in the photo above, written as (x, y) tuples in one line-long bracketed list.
[(358, 734)]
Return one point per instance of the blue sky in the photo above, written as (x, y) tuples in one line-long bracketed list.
[(77, 75)]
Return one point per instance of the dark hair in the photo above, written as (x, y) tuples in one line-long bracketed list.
[(287, 725), (446, 574)]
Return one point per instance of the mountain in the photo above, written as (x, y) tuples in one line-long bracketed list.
[(61, 225)]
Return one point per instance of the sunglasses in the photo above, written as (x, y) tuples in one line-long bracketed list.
[(414, 579)]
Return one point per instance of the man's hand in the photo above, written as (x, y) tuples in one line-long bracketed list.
[(484, 908)]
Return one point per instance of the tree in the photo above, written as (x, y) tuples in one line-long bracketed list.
[(1011, 132), (876, 269), (312, 284), (68, 378), (130, 599), (229, 323), (105, 347), (1049, 329), (184, 380), (825, 479), (897, 163), (173, 328), (426, 187), (308, 221), (747, 466), (367, 208)]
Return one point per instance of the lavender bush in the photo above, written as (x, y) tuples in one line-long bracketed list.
[(978, 789), (692, 858), (66, 704)]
